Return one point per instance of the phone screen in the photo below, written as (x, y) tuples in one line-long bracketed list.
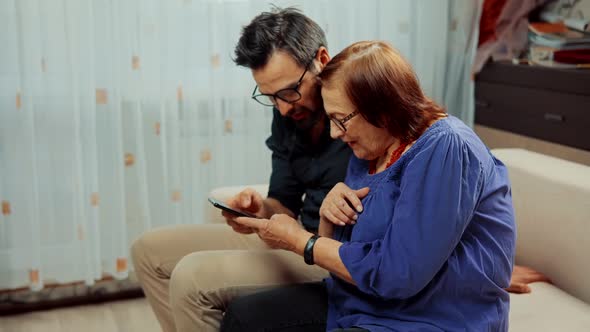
[(221, 205)]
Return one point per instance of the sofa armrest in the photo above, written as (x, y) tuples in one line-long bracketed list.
[(213, 214), (551, 198)]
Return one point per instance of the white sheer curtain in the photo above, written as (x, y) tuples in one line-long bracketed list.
[(120, 115)]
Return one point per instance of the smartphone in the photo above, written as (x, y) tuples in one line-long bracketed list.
[(220, 205)]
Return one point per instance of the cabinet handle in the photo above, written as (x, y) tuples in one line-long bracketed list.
[(554, 117), (482, 103)]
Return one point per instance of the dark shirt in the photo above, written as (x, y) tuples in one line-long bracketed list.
[(301, 167)]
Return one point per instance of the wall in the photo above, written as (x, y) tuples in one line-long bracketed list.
[(495, 138)]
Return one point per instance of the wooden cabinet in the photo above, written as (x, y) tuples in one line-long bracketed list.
[(544, 103)]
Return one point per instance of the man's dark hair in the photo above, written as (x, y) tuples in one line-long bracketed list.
[(285, 29)]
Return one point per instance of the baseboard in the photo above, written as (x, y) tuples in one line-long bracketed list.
[(24, 301)]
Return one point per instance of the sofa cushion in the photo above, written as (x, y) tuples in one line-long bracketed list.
[(548, 308), (552, 206)]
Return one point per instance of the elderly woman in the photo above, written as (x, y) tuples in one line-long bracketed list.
[(421, 235)]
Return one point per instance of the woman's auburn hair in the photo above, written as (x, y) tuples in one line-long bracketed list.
[(383, 88)]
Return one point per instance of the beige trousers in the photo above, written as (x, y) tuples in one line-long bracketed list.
[(190, 273)]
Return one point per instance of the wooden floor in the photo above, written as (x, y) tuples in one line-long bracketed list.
[(120, 316)]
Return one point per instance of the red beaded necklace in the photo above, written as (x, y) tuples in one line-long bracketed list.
[(395, 155)]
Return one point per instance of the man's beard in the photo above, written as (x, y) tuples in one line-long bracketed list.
[(313, 117)]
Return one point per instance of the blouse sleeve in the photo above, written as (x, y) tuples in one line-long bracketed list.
[(438, 195)]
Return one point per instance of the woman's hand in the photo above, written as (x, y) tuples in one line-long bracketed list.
[(342, 205), (522, 276), (278, 232)]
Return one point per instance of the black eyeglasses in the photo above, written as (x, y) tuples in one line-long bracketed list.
[(340, 122), (288, 95)]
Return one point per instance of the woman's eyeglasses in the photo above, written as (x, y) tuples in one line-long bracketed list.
[(340, 122)]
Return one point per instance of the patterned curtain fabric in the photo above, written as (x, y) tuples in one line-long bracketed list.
[(117, 116)]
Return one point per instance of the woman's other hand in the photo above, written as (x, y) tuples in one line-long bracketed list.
[(278, 232), (342, 205), (522, 276)]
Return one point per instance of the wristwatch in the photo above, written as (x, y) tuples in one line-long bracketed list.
[(308, 251)]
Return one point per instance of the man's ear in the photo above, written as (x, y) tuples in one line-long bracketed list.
[(322, 57)]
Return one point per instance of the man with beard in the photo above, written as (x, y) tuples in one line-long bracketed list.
[(189, 273)]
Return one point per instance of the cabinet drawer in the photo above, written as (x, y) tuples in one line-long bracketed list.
[(537, 77), (548, 115)]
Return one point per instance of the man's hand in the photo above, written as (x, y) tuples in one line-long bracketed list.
[(278, 232), (522, 276), (342, 205), (247, 200)]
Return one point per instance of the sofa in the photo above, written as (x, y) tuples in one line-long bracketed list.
[(552, 204), (551, 200)]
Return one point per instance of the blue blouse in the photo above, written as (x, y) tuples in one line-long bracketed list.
[(434, 247)]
